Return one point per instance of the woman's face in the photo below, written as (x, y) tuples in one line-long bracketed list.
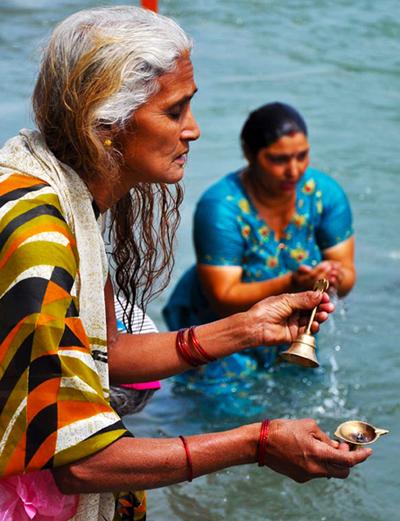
[(155, 147), (280, 166)]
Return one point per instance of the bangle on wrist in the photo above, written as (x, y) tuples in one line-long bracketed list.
[(191, 350), (182, 348), (198, 347), (262, 443), (188, 458)]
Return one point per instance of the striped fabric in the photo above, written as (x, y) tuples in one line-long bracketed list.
[(141, 322), (53, 406), (54, 382)]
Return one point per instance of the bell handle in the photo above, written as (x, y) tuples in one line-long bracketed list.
[(308, 330), (320, 285)]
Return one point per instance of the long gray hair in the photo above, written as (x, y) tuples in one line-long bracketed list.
[(100, 65)]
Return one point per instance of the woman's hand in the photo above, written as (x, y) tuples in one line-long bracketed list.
[(300, 450), (305, 277), (280, 319)]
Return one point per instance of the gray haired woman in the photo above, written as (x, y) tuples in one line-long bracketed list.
[(112, 105)]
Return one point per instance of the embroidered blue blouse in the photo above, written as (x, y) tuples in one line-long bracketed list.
[(229, 232)]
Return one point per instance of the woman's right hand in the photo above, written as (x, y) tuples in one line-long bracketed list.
[(306, 276), (280, 319), (300, 450)]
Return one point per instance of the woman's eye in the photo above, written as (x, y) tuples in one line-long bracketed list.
[(279, 160), (302, 156), (175, 113)]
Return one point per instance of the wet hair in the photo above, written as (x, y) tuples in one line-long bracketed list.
[(267, 124), (99, 67)]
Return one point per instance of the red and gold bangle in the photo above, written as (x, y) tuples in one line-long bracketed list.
[(188, 458), (262, 443), (197, 346)]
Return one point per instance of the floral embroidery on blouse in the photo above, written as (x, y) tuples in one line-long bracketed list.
[(299, 220), (246, 230), (272, 262), (229, 230), (299, 254), (244, 205), (264, 231), (309, 187)]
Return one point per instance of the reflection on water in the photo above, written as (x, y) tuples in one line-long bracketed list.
[(339, 64)]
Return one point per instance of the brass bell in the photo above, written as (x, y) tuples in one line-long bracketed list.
[(302, 350), (357, 433)]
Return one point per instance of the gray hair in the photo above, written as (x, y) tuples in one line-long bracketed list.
[(133, 45)]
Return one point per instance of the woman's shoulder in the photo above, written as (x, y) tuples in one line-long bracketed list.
[(24, 199), (18, 187), (324, 185), (14, 180), (319, 177)]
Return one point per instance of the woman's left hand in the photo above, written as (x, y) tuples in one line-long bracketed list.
[(305, 277), (280, 319)]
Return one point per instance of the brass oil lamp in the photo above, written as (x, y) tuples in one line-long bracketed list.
[(358, 433)]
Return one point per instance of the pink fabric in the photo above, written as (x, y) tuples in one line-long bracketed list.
[(142, 386), (35, 496)]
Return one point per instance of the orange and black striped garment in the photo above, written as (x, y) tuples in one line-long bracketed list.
[(53, 407)]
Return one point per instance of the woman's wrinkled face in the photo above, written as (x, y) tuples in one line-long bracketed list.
[(155, 146), (280, 166)]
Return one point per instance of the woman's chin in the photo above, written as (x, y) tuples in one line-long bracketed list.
[(175, 176), (288, 187)]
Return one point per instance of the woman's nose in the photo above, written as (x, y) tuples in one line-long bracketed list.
[(293, 167), (191, 130)]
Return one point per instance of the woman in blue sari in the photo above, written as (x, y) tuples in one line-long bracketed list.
[(273, 226)]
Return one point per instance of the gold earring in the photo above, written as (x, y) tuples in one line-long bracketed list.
[(107, 142)]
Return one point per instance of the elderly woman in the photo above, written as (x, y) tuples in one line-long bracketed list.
[(273, 226), (112, 103)]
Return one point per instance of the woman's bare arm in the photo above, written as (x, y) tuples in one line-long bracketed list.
[(296, 448), (152, 356), (227, 293), (343, 255), (144, 463)]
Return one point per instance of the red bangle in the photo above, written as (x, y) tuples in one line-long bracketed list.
[(188, 458), (183, 349), (262, 443), (197, 346)]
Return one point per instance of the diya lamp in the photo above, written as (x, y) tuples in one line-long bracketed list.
[(358, 433)]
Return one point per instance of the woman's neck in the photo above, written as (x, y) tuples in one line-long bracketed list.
[(275, 210), (266, 199)]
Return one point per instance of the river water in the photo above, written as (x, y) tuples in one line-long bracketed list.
[(339, 64)]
